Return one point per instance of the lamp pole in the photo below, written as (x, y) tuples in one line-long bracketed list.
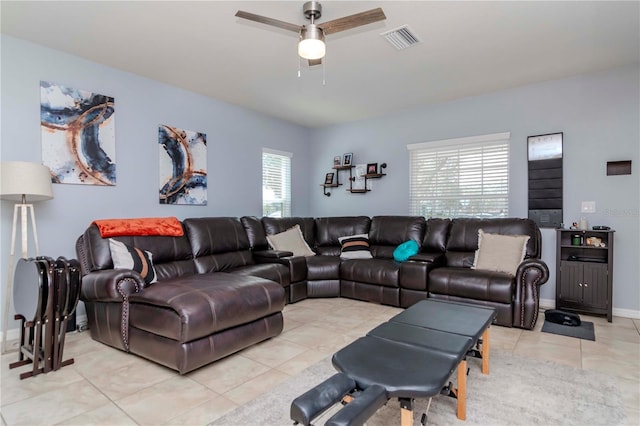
[(24, 210)]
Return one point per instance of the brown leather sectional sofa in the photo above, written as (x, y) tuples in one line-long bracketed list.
[(441, 270), (221, 288)]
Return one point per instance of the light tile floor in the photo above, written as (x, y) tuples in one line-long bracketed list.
[(108, 387)]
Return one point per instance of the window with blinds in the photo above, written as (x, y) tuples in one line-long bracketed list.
[(466, 177), (276, 183)]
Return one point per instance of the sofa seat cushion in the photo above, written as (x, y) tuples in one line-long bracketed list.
[(472, 284), (271, 271), (193, 307), (382, 272), (323, 268)]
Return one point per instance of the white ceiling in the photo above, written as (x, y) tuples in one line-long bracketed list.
[(467, 48)]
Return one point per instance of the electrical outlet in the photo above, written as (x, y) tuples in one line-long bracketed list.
[(588, 207)]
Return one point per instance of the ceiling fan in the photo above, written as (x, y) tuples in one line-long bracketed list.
[(311, 46)]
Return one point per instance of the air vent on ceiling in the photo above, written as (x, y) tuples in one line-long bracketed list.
[(401, 37)]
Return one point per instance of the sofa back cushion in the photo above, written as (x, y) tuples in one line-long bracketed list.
[(171, 255), (330, 229), (436, 235), (388, 232), (255, 232), (218, 243), (463, 237), (276, 225)]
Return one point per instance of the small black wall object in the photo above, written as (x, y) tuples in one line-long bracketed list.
[(562, 317)]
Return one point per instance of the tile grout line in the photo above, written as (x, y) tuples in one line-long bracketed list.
[(111, 401)]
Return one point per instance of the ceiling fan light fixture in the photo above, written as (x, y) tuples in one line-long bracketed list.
[(311, 45)]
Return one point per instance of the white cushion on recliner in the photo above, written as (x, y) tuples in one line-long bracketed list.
[(500, 253), (290, 240)]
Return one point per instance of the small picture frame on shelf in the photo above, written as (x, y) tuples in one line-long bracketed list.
[(337, 161), (328, 179), (347, 159), (372, 168)]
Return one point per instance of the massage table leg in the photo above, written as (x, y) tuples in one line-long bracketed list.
[(406, 412), (461, 392), (485, 351)]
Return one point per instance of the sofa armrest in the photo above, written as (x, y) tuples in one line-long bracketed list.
[(531, 274), (297, 264), (269, 255), (438, 258), (110, 285), (414, 273)]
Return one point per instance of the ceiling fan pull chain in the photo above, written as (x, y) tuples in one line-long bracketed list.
[(299, 60), (324, 83)]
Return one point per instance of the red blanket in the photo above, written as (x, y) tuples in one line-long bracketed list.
[(165, 226)]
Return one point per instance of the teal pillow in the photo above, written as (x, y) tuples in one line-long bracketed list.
[(405, 250)]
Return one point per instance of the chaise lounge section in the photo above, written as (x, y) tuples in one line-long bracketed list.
[(210, 300)]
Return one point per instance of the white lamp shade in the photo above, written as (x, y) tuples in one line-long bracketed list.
[(18, 178), (311, 49), (311, 45)]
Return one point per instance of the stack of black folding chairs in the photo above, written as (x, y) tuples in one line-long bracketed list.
[(45, 296)]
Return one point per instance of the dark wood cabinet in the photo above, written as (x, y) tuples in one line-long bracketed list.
[(584, 274)]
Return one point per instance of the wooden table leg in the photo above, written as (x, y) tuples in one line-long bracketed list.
[(462, 390), (406, 417), (485, 351)]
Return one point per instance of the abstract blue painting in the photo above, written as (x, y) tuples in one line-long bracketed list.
[(78, 135), (183, 166)]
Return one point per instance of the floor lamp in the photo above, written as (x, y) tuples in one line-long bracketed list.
[(21, 181)]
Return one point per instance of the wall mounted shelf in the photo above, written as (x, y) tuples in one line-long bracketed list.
[(329, 185), (326, 187), (337, 169)]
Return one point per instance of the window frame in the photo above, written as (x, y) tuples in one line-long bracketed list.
[(490, 146), (285, 201)]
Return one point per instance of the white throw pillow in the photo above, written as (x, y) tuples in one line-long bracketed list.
[(500, 253), (355, 247), (291, 240), (127, 257)]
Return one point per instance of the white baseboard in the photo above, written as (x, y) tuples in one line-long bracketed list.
[(626, 313), (548, 303), (617, 312)]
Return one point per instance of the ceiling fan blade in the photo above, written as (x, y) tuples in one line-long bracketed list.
[(269, 21), (313, 62), (352, 21)]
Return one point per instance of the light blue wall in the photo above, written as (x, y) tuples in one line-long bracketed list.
[(235, 138), (599, 115)]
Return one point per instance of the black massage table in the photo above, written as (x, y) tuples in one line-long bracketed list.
[(411, 356)]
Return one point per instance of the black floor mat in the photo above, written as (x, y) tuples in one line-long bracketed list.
[(583, 331)]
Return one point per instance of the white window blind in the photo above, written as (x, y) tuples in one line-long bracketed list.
[(466, 177), (276, 183)]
